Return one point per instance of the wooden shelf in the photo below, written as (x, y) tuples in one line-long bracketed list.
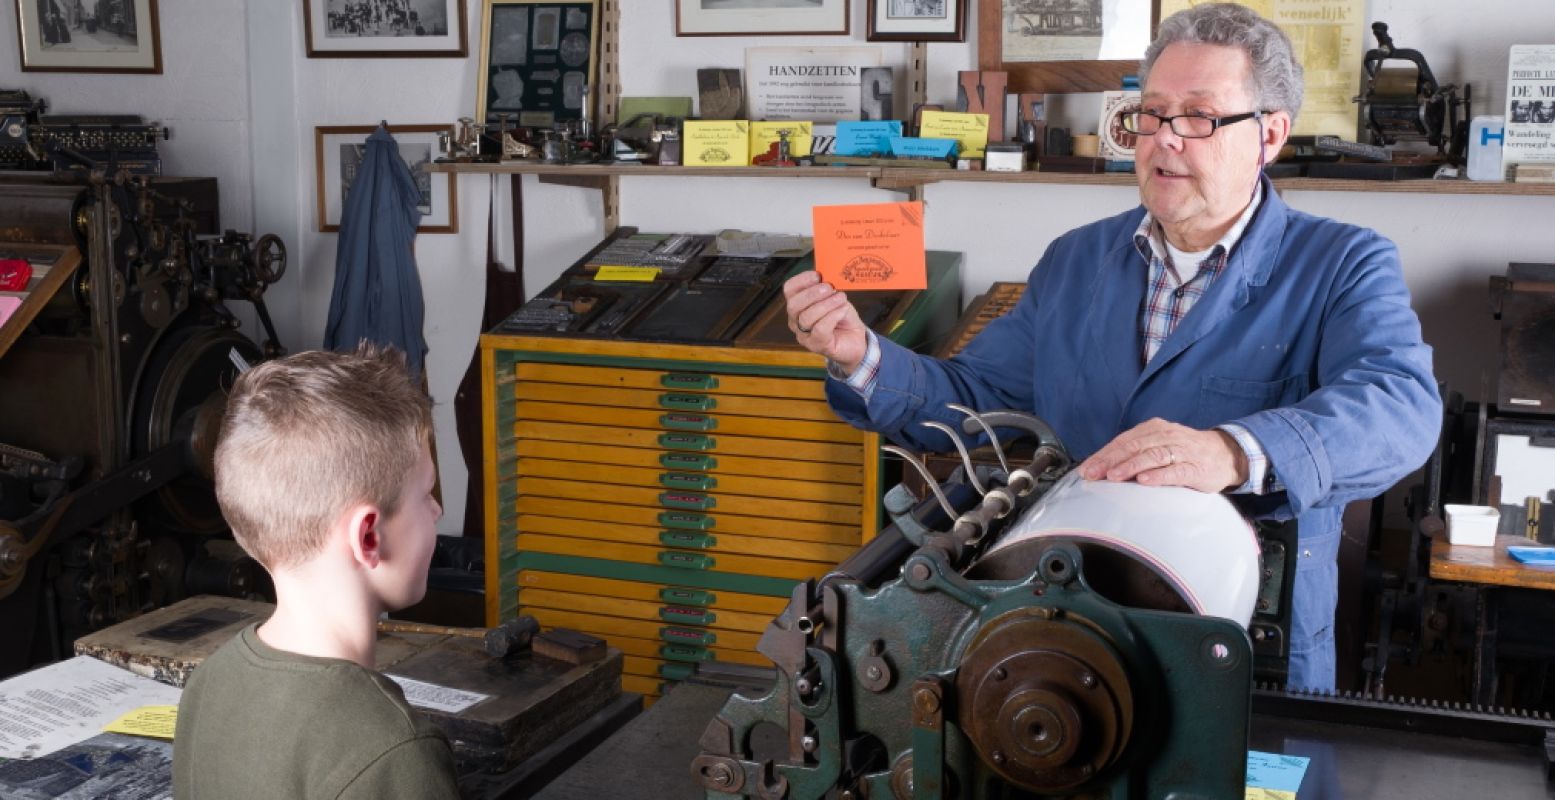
[(906, 179)]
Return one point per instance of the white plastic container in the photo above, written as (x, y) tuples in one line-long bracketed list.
[(1472, 525)]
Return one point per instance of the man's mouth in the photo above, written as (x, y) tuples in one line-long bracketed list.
[(1166, 173)]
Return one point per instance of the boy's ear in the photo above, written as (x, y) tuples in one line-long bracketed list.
[(366, 541)]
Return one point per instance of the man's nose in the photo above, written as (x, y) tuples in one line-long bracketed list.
[(1165, 136)]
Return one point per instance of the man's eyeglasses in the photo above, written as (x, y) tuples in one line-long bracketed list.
[(1188, 126)]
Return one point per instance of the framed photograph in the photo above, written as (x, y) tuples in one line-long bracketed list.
[(761, 17), (339, 150), (538, 61), (88, 36), (1068, 46), (917, 20), (385, 28)]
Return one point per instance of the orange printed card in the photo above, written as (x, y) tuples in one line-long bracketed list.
[(874, 246)]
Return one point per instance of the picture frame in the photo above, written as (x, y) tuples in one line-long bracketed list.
[(406, 29), (761, 18), (86, 36), (1045, 51), (917, 20), (539, 61), (335, 147)]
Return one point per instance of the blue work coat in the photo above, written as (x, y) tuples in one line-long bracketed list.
[(1307, 339), (377, 294)]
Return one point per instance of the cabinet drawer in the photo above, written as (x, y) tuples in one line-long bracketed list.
[(693, 480), (605, 627), (708, 502), (665, 651), (716, 543), (723, 425), (650, 688), (766, 407), (850, 454), (689, 520), (662, 613), (711, 382), (715, 464), (650, 592), (670, 557)]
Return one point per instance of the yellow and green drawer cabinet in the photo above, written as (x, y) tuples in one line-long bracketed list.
[(667, 497)]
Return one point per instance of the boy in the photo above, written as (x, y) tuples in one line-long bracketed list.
[(324, 472)]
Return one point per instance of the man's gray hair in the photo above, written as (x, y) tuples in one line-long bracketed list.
[(1275, 79)]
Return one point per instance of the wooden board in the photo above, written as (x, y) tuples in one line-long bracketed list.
[(1489, 565)]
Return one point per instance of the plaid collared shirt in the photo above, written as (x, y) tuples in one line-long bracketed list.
[(1169, 296)]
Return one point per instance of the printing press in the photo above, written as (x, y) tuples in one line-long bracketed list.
[(1020, 633), (113, 364)]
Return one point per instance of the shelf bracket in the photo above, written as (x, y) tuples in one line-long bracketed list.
[(912, 187), (609, 193)]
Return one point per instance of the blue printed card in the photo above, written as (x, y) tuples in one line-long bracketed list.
[(1275, 772), (865, 138), (917, 147)]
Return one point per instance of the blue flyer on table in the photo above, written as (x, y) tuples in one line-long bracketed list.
[(1275, 772)]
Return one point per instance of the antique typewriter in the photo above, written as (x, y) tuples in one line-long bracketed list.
[(31, 141)]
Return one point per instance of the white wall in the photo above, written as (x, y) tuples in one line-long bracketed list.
[(243, 99)]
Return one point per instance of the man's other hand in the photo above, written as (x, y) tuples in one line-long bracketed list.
[(1161, 453), (824, 321)]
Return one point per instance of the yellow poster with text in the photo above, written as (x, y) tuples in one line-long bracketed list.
[(1330, 39), (717, 143), (971, 130)]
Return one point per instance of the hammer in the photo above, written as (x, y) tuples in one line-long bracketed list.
[(511, 636)]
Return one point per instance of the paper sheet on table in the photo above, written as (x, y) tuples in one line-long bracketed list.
[(64, 703), (158, 722)]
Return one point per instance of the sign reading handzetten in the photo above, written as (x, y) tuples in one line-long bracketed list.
[(820, 84)]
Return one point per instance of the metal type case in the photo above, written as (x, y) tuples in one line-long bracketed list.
[(921, 669)]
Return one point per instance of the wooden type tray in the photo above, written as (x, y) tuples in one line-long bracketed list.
[(878, 310), (985, 308), (52, 266)]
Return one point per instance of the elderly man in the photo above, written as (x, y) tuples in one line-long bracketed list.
[(1214, 338)]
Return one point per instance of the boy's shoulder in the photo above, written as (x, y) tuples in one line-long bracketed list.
[(245, 670), (253, 713)]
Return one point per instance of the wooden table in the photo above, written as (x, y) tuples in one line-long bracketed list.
[(1488, 565), (1495, 573)]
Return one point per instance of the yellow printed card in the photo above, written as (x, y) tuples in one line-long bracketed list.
[(156, 722), (971, 130), (765, 134), (717, 143)]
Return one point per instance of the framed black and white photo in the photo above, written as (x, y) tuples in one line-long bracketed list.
[(1073, 46), (339, 150), (385, 28), (88, 36), (537, 61), (917, 20), (760, 17)]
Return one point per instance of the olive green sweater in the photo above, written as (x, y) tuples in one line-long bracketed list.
[(257, 722)]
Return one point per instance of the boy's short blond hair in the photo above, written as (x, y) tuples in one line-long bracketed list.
[(306, 437)]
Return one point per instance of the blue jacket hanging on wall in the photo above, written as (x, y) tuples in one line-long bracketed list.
[(377, 292)]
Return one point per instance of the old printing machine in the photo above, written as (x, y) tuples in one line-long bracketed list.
[(112, 368)]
